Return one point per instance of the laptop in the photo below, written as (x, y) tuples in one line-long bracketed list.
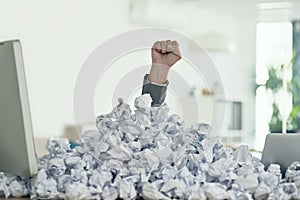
[(282, 149), (17, 150)]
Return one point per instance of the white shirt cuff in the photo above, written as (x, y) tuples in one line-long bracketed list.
[(153, 83)]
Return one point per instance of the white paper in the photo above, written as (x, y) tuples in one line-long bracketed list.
[(150, 154)]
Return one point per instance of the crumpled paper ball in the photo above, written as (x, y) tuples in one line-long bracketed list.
[(149, 154)]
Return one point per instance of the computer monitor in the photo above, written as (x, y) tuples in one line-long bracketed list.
[(17, 151)]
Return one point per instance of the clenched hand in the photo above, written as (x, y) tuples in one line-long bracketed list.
[(164, 55)]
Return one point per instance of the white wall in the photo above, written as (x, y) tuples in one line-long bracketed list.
[(58, 35)]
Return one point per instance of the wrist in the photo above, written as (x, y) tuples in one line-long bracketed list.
[(159, 73)]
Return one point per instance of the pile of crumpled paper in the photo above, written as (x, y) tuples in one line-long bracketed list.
[(149, 154)]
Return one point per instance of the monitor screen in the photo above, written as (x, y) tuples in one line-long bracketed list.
[(17, 151)]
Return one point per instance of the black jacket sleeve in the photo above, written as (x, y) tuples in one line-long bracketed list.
[(157, 91)]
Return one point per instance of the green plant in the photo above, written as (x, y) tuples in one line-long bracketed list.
[(274, 84)]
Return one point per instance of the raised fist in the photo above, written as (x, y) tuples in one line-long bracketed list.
[(165, 53)]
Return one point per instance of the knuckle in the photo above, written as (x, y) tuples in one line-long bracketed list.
[(156, 43)]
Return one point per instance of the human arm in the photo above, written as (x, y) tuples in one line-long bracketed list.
[(164, 55)]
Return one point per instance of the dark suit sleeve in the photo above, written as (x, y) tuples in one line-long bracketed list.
[(157, 91)]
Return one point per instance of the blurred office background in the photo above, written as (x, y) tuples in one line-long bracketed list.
[(253, 44)]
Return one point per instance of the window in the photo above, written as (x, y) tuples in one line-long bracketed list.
[(273, 48)]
